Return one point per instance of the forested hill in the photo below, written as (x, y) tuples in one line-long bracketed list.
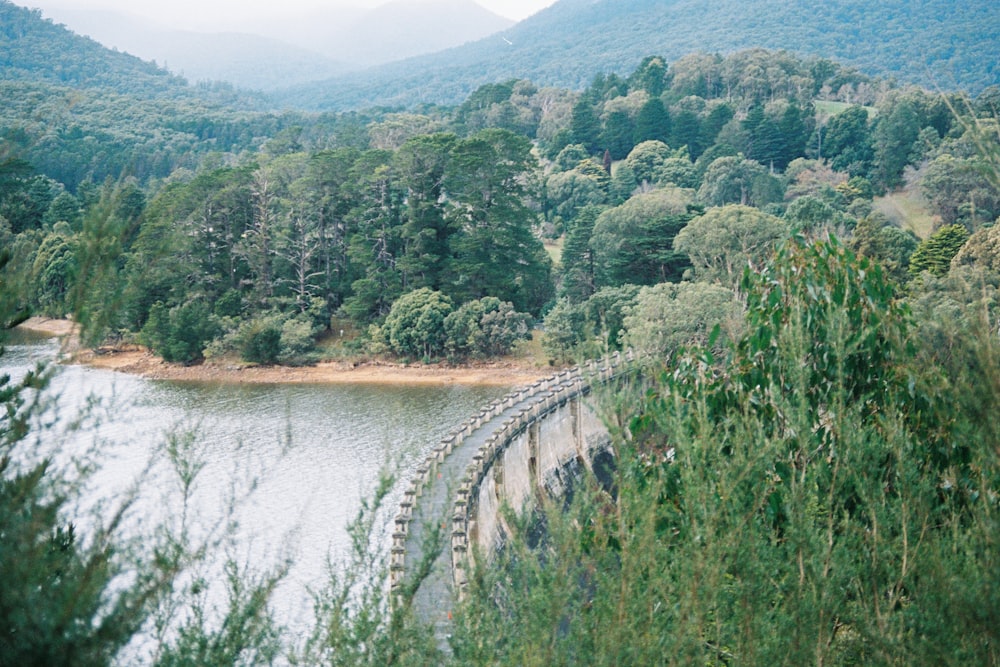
[(77, 111), (938, 43), (37, 51)]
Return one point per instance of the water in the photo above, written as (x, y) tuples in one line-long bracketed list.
[(310, 453)]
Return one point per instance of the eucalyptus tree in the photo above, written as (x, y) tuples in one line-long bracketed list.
[(847, 142), (724, 241), (327, 194), (377, 243), (738, 180), (568, 192)]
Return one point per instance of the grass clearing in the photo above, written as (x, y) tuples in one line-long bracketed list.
[(831, 109), (907, 209), (554, 248)]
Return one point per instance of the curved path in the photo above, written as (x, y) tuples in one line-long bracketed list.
[(430, 539)]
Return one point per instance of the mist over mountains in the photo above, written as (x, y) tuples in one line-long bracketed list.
[(945, 44), (291, 49), (405, 53)]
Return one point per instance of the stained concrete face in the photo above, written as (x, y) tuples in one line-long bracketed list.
[(536, 463)]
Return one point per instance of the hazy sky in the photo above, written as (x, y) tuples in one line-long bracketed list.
[(204, 14)]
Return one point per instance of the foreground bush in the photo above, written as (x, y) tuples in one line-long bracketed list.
[(823, 494)]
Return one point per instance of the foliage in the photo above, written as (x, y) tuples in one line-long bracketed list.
[(591, 328), (356, 622), (180, 333), (724, 241), (90, 595), (564, 330), (874, 237), (634, 242), (669, 316), (981, 250), (958, 190), (486, 327), (811, 216), (260, 340), (737, 180), (935, 253), (812, 497), (415, 326)]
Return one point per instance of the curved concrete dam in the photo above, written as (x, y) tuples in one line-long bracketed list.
[(514, 450)]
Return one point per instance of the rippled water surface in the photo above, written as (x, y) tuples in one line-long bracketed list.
[(311, 452)]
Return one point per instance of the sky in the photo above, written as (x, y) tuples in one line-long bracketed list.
[(206, 14)]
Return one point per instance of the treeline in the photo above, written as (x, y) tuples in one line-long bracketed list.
[(252, 231), (936, 44), (807, 470)]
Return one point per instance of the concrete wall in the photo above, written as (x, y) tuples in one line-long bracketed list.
[(545, 426)]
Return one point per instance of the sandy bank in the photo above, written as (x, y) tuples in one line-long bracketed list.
[(136, 360)]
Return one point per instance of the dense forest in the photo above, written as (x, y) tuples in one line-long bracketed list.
[(938, 44), (808, 469)]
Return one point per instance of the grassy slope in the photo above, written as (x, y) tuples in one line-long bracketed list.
[(907, 209)]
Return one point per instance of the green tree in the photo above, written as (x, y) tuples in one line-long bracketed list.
[(54, 271), (494, 251), (415, 324), (650, 76), (725, 241), (668, 316), (653, 122), (634, 242), (64, 208), (958, 190), (577, 261), (677, 171), (180, 333), (812, 216), (737, 180), (421, 163), (618, 134), (486, 327), (876, 238), (564, 328), (847, 142), (585, 125), (981, 251), (686, 131), (568, 192), (646, 159), (377, 243), (894, 137), (935, 253)]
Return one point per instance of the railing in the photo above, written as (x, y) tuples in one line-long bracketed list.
[(539, 399)]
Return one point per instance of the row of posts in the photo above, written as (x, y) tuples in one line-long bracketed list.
[(544, 396)]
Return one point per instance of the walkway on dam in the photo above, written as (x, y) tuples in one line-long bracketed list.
[(435, 596)]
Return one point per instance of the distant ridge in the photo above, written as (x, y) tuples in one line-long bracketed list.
[(944, 43), (244, 60), (38, 50), (291, 49)]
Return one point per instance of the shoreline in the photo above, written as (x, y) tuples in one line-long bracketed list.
[(139, 361)]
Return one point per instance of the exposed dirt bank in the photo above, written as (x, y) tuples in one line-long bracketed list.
[(139, 361)]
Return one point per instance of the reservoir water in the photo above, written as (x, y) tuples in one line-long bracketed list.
[(299, 459)]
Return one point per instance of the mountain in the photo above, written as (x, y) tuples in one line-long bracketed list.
[(291, 49), (38, 50), (945, 43), (244, 60), (402, 29)]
